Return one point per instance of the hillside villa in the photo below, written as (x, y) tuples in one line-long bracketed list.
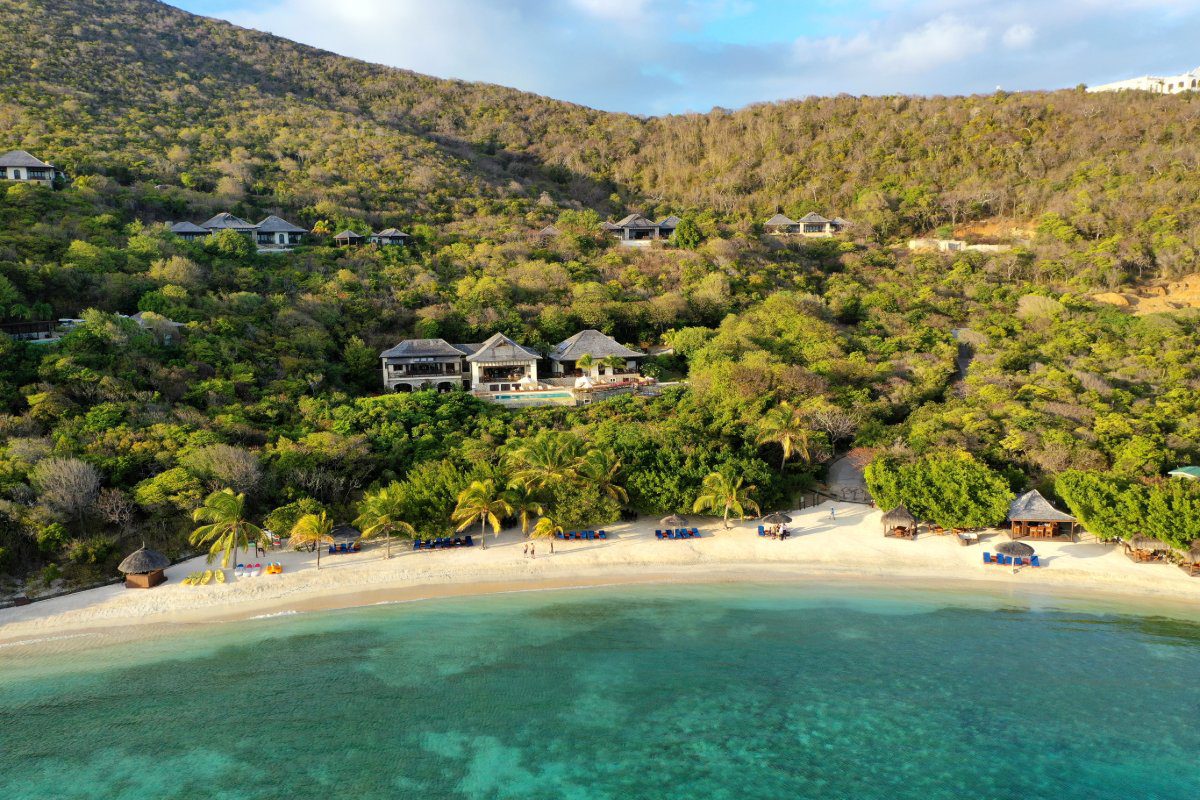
[(502, 371), (390, 237), (635, 229), (19, 165), (1171, 84), (955, 246), (812, 225), (272, 234)]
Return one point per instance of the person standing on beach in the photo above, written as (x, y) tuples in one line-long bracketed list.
[(532, 550), (525, 550), (832, 513)]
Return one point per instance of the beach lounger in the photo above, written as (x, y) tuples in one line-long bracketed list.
[(332, 550), (468, 541), (602, 534), (416, 544), (762, 531), (987, 558), (1034, 562), (658, 534)]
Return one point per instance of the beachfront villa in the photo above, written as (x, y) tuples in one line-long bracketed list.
[(811, 225), (273, 234), (637, 230), (503, 371), (18, 165)]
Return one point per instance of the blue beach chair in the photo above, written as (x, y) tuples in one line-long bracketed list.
[(987, 558), (1034, 562), (468, 541), (658, 534), (762, 531), (602, 534)]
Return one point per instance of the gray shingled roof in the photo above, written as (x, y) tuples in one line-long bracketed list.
[(812, 216), (392, 233), (636, 221), (593, 343), (549, 230), (349, 235), (1032, 507), (421, 348), (274, 224), (20, 158), (188, 227), (501, 348), (142, 561), (226, 220), (779, 219), (670, 222)]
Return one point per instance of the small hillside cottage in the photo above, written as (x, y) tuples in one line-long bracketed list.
[(277, 232), (349, 239), (19, 165), (812, 225), (636, 228), (390, 237)]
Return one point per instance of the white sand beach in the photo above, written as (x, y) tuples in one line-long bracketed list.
[(850, 546)]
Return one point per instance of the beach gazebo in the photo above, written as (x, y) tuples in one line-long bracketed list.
[(1146, 548), (143, 569), (899, 522), (1032, 515), (1191, 560)]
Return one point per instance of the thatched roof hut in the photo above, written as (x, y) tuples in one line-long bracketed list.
[(898, 517), (143, 568), (1193, 553), (1148, 544), (673, 521)]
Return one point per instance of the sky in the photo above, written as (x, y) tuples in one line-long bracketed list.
[(673, 56)]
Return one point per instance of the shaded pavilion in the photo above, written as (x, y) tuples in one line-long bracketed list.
[(143, 569), (1032, 515), (900, 522)]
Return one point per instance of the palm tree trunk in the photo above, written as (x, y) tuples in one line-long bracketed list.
[(318, 555), (389, 544), (483, 532), (727, 517)]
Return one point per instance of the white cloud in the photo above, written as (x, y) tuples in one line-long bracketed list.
[(654, 56), (1018, 36)]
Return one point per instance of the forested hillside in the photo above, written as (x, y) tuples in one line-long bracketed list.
[(117, 433)]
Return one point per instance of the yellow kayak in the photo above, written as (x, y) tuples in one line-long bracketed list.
[(220, 576), (207, 579)]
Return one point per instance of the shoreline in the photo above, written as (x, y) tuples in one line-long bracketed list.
[(843, 552)]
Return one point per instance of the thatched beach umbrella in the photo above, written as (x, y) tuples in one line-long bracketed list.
[(1015, 549), (899, 517), (1193, 553), (777, 518), (144, 568), (673, 521)]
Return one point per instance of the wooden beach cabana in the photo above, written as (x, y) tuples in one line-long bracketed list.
[(1032, 515), (1144, 549), (900, 522), (143, 569), (1191, 560)]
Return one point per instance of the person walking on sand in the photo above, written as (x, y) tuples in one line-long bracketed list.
[(525, 550), (832, 513), (532, 550)]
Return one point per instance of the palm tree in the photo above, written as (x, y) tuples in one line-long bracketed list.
[(312, 530), (380, 514), (227, 528), (546, 460), (788, 427), (585, 363), (524, 503), (547, 528), (615, 363), (601, 467), (722, 493), (481, 501)]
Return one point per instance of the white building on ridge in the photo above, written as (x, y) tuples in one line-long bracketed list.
[(1173, 84)]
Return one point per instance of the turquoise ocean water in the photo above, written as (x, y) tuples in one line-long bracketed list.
[(647, 692)]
